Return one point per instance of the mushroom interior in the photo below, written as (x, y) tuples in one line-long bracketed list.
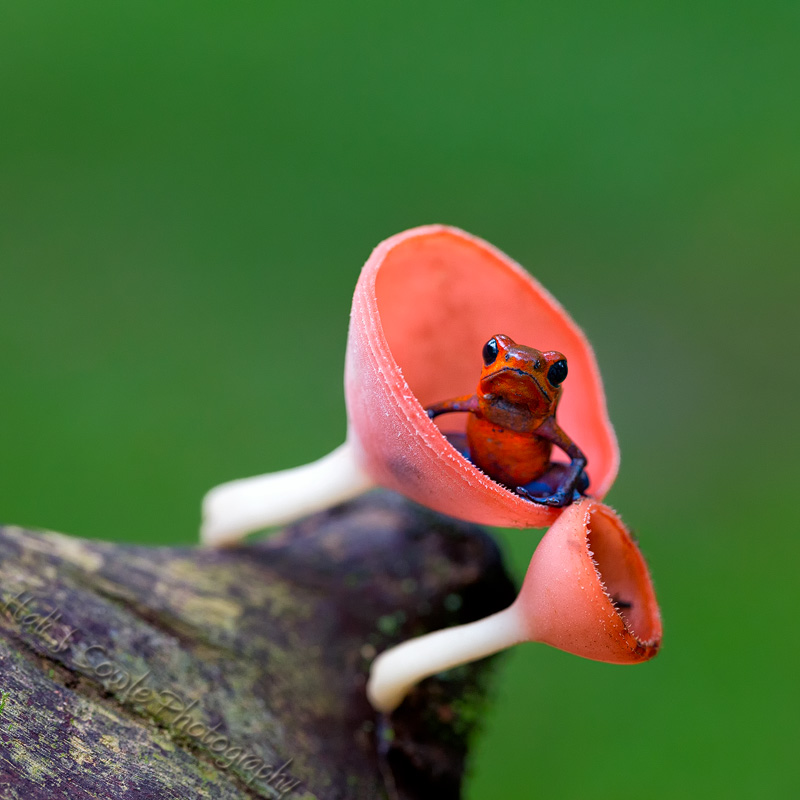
[(624, 575), (441, 295)]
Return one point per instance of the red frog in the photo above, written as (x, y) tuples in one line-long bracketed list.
[(512, 425)]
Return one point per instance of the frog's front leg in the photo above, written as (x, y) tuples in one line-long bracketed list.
[(564, 494), (469, 403)]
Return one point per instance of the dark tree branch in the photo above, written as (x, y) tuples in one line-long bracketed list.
[(130, 672)]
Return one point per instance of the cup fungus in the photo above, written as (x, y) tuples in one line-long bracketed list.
[(587, 591), (425, 303)]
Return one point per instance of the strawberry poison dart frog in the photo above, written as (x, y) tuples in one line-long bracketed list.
[(511, 428)]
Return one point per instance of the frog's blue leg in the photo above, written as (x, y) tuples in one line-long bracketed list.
[(545, 485), (551, 479), (568, 490)]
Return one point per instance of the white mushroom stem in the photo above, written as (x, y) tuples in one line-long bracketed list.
[(232, 510), (395, 671)]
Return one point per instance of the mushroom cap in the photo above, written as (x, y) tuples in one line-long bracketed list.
[(588, 589), (426, 302)]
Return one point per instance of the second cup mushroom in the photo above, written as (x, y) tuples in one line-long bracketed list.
[(587, 591)]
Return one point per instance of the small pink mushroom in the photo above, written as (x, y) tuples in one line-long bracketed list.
[(587, 591), (425, 303)]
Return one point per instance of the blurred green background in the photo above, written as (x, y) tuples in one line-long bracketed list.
[(189, 190)]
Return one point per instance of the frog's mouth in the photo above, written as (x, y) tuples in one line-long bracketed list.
[(521, 372)]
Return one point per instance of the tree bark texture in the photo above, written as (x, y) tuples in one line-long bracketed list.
[(136, 673)]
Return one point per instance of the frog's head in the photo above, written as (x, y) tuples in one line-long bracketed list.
[(522, 376)]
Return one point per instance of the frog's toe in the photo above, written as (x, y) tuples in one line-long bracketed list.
[(557, 500), (534, 490)]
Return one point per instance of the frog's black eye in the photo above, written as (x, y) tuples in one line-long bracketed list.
[(490, 351), (557, 372)]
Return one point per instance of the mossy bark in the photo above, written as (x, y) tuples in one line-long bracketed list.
[(130, 672)]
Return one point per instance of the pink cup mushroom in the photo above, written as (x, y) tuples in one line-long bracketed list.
[(587, 591), (425, 303)]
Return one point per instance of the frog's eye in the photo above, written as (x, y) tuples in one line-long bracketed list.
[(557, 372), (490, 351)]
